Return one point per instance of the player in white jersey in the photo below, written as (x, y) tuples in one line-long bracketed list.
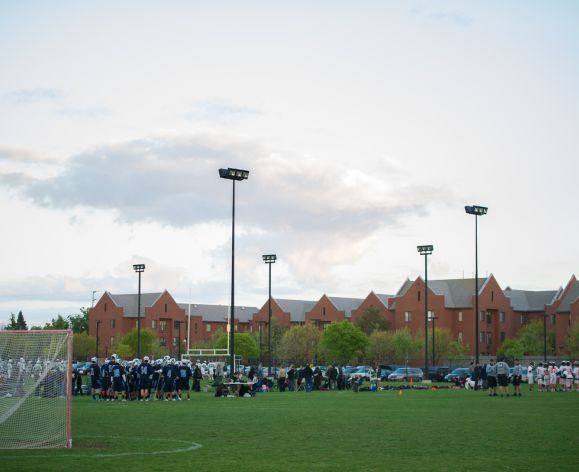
[(568, 372), (540, 377), (576, 375), (530, 378), (553, 371)]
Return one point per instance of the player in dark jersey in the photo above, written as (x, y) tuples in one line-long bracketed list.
[(94, 372), (169, 377), (156, 381), (133, 380), (184, 376), (106, 380), (145, 372), (118, 378)]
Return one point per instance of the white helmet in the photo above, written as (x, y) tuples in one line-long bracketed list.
[(94, 359), (146, 359)]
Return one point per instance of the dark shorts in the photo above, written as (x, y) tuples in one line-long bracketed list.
[(106, 383), (144, 384), (516, 380), (118, 385), (95, 383), (183, 384), (503, 380), (492, 381), (168, 386)]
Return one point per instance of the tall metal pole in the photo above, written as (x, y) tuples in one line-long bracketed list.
[(232, 310), (269, 326), (476, 314), (139, 320), (433, 341), (98, 323), (426, 316), (545, 337)]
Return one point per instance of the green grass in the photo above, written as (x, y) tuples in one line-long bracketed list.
[(333, 431)]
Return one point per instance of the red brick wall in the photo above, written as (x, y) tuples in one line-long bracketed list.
[(372, 301), (324, 312)]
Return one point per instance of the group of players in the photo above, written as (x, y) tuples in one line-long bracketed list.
[(165, 379), (550, 377)]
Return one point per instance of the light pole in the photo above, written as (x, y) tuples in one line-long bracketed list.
[(93, 298), (233, 175), (476, 211), (98, 323), (269, 259), (139, 268), (178, 324), (425, 251), (433, 339), (545, 337)]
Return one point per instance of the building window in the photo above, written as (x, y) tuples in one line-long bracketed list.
[(418, 295), (489, 318), (430, 315), (195, 326), (503, 336), (407, 316), (489, 338), (113, 324), (502, 317), (105, 307), (323, 311), (162, 341), (174, 342), (460, 336), (492, 296), (208, 327), (460, 316), (163, 325), (481, 337), (481, 316), (154, 324), (165, 308)]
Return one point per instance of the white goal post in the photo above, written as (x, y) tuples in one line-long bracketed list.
[(35, 389)]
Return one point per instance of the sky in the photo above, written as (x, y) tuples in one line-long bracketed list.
[(366, 126)]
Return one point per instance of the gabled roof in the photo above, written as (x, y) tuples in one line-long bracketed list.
[(130, 302), (569, 298), (346, 304), (384, 298), (405, 287), (530, 301), (458, 293), (219, 313), (296, 308)]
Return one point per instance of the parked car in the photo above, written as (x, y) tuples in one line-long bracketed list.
[(407, 373), (363, 372), (349, 370), (437, 373), (83, 367), (458, 375)]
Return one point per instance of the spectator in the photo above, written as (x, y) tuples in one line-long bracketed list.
[(491, 372), (502, 369)]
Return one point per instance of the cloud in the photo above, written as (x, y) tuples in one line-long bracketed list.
[(87, 112), (451, 16), (220, 110), (313, 210), (26, 96)]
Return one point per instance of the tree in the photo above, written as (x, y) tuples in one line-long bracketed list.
[(371, 321), (299, 344), (342, 342), (532, 339), (20, 323), (277, 332), (79, 323), (12, 326), (83, 346), (405, 345), (129, 343), (380, 347), (58, 323), (511, 347), (445, 347), (245, 345), (572, 341)]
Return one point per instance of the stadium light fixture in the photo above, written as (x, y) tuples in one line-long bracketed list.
[(233, 175), (269, 259), (139, 269), (425, 251), (477, 211)]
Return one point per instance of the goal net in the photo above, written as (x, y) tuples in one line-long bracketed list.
[(35, 373)]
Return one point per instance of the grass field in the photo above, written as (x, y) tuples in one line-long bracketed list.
[(333, 431)]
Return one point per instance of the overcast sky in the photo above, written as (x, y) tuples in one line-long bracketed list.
[(366, 127)]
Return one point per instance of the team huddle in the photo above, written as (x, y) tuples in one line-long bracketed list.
[(165, 379), (549, 376)]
